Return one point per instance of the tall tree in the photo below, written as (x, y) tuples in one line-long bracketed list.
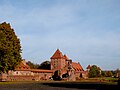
[(10, 48), (94, 71)]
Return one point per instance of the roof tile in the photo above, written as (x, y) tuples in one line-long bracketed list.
[(57, 55), (65, 57), (77, 66), (88, 67)]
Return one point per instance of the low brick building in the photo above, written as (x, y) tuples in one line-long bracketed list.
[(23, 72)]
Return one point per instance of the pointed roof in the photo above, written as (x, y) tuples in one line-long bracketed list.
[(65, 57), (88, 67), (57, 55), (99, 68), (77, 66), (22, 64)]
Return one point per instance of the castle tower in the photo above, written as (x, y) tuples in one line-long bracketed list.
[(57, 60)]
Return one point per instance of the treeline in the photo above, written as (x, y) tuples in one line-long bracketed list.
[(110, 73), (43, 65), (95, 71)]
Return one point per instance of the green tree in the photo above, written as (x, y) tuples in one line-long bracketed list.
[(103, 73), (109, 74), (94, 71), (10, 48), (32, 65), (45, 65)]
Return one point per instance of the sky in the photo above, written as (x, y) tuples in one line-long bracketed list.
[(87, 31)]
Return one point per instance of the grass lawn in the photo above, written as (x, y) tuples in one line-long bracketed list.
[(108, 80), (24, 85)]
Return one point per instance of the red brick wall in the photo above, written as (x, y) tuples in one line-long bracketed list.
[(36, 77), (22, 78)]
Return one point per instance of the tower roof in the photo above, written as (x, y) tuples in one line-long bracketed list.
[(57, 55), (99, 68), (65, 57), (88, 67)]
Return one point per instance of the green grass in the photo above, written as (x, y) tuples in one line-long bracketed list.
[(19, 82), (108, 80), (23, 85)]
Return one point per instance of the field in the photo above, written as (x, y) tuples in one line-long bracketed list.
[(57, 85)]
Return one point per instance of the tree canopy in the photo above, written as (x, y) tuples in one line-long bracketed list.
[(94, 71), (10, 48), (32, 65), (45, 65)]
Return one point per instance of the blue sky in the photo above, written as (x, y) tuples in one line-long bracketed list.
[(87, 31)]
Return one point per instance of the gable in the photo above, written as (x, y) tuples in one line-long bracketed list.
[(57, 55), (22, 66)]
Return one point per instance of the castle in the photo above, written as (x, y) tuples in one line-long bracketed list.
[(63, 65), (59, 63)]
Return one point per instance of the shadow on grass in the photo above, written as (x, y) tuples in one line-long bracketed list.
[(55, 85), (84, 85)]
